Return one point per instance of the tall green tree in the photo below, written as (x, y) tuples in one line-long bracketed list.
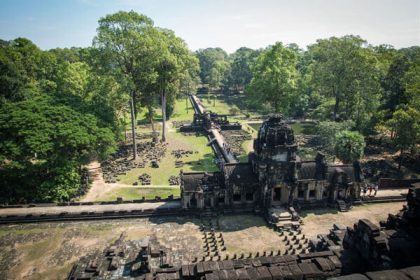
[(405, 128), (241, 73), (274, 77), (393, 85), (208, 58), (345, 70), (26, 71), (125, 40), (172, 66), (218, 74)]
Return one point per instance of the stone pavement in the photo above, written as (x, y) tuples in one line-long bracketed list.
[(90, 208), (389, 192)]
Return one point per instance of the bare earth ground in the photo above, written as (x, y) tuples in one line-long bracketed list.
[(320, 221), (48, 250), (98, 187)]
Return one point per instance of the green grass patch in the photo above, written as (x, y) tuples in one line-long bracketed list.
[(183, 110), (130, 193), (201, 160), (255, 126), (217, 104), (304, 128)]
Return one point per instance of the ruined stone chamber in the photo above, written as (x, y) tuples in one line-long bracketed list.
[(274, 176)]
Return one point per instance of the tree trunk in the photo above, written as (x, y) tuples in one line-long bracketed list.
[(151, 119), (135, 105), (400, 159), (276, 105), (125, 130), (336, 107), (163, 115), (133, 126)]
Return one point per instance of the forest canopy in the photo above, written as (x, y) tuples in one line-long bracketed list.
[(62, 108)]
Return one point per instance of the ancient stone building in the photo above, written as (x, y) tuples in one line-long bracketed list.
[(365, 251), (274, 176)]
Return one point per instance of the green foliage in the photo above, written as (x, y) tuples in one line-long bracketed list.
[(328, 130), (344, 69), (218, 73), (405, 127), (349, 146), (73, 78), (411, 83), (208, 58), (62, 183), (274, 77), (394, 90), (41, 136), (25, 70), (241, 73)]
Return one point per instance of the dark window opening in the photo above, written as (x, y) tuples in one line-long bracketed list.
[(312, 193), (237, 197), (249, 196), (193, 202), (207, 202), (277, 194), (301, 193), (324, 194), (221, 199)]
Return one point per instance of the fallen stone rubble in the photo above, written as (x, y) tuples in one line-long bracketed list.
[(174, 180), (121, 161), (235, 139)]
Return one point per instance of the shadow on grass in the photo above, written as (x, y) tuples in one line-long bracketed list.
[(206, 163)]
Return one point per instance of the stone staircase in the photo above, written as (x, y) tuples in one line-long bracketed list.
[(342, 206), (281, 219)]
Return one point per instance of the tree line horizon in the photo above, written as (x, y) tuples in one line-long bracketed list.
[(63, 107)]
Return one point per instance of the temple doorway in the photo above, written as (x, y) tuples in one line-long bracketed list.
[(277, 194)]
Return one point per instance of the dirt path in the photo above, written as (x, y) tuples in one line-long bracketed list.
[(321, 221), (99, 187)]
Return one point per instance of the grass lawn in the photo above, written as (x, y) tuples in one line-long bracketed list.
[(201, 160), (183, 110), (130, 193), (216, 105)]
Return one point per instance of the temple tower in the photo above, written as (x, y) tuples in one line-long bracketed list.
[(274, 161)]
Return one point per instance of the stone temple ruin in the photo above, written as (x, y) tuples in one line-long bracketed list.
[(364, 251), (274, 176)]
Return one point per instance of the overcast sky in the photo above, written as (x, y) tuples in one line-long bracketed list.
[(228, 24)]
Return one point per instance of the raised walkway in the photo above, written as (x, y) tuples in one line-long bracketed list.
[(73, 209)]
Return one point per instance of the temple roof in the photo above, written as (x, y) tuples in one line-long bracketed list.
[(307, 171), (240, 174), (190, 181), (348, 169)]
